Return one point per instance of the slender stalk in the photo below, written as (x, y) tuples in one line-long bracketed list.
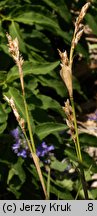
[(25, 104), (78, 151), (48, 182), (29, 125), (36, 161), (32, 145), (76, 131), (84, 183)]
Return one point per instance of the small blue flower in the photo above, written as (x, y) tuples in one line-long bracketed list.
[(43, 149), (15, 133), (22, 153), (15, 147), (20, 146)]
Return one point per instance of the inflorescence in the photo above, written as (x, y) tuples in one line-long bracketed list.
[(21, 148)]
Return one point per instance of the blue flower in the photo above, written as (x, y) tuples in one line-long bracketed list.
[(22, 153), (15, 147), (15, 133), (20, 146), (44, 150)]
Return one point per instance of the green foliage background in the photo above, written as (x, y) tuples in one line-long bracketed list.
[(41, 27)]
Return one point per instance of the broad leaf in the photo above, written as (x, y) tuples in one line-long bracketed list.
[(59, 166), (18, 170), (44, 129), (31, 69)]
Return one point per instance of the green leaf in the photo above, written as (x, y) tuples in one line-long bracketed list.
[(58, 85), (3, 127), (66, 183), (14, 190), (17, 169), (94, 193), (31, 69), (59, 166), (33, 18), (3, 114), (19, 103), (61, 8), (49, 103), (87, 140), (44, 129), (3, 117), (14, 31), (40, 43), (3, 75), (87, 160), (39, 115), (91, 22), (64, 195)]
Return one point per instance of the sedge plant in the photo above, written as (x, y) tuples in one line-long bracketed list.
[(66, 75), (15, 53)]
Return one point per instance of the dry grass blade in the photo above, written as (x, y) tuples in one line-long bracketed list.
[(36, 161)]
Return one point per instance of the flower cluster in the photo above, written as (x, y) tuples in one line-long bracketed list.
[(43, 149), (44, 152), (20, 147)]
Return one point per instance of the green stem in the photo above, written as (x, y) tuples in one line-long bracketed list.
[(29, 125), (33, 150), (31, 142), (25, 104), (84, 183), (78, 151), (36, 162), (48, 183), (76, 131)]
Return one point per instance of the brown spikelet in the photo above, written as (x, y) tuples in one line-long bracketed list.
[(79, 34), (65, 71), (70, 119), (79, 27), (82, 14), (15, 111), (14, 51)]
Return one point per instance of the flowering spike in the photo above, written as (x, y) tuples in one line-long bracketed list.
[(15, 111), (14, 51), (65, 71)]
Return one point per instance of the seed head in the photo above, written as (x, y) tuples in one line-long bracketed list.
[(65, 71)]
